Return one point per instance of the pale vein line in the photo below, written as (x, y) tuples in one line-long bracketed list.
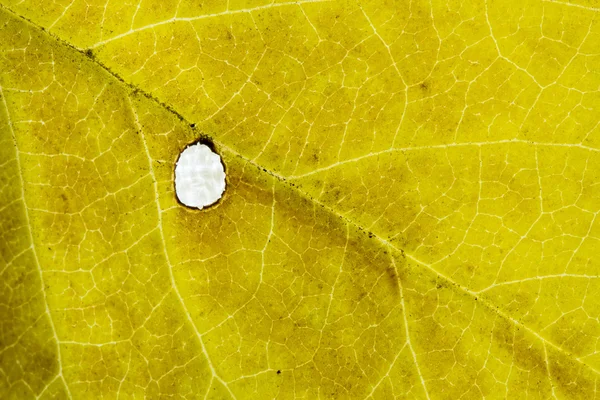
[(389, 50), (538, 278), (564, 3), (408, 342), (442, 147), (204, 16), (387, 374), (547, 361), (166, 253), (39, 396), (35, 256), (517, 66), (61, 15)]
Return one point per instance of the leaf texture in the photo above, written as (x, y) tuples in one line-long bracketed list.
[(411, 203)]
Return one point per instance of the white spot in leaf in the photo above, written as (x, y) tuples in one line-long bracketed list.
[(199, 176)]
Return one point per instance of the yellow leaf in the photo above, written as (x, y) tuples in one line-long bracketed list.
[(410, 212)]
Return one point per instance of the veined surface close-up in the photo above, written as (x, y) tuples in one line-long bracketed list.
[(410, 204)]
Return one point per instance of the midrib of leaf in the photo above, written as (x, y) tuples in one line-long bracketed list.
[(32, 246), (398, 251)]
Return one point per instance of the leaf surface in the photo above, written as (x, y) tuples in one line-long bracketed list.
[(410, 209)]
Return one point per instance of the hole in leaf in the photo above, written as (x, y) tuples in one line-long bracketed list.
[(199, 176)]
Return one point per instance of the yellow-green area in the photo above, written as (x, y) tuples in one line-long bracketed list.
[(411, 206)]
